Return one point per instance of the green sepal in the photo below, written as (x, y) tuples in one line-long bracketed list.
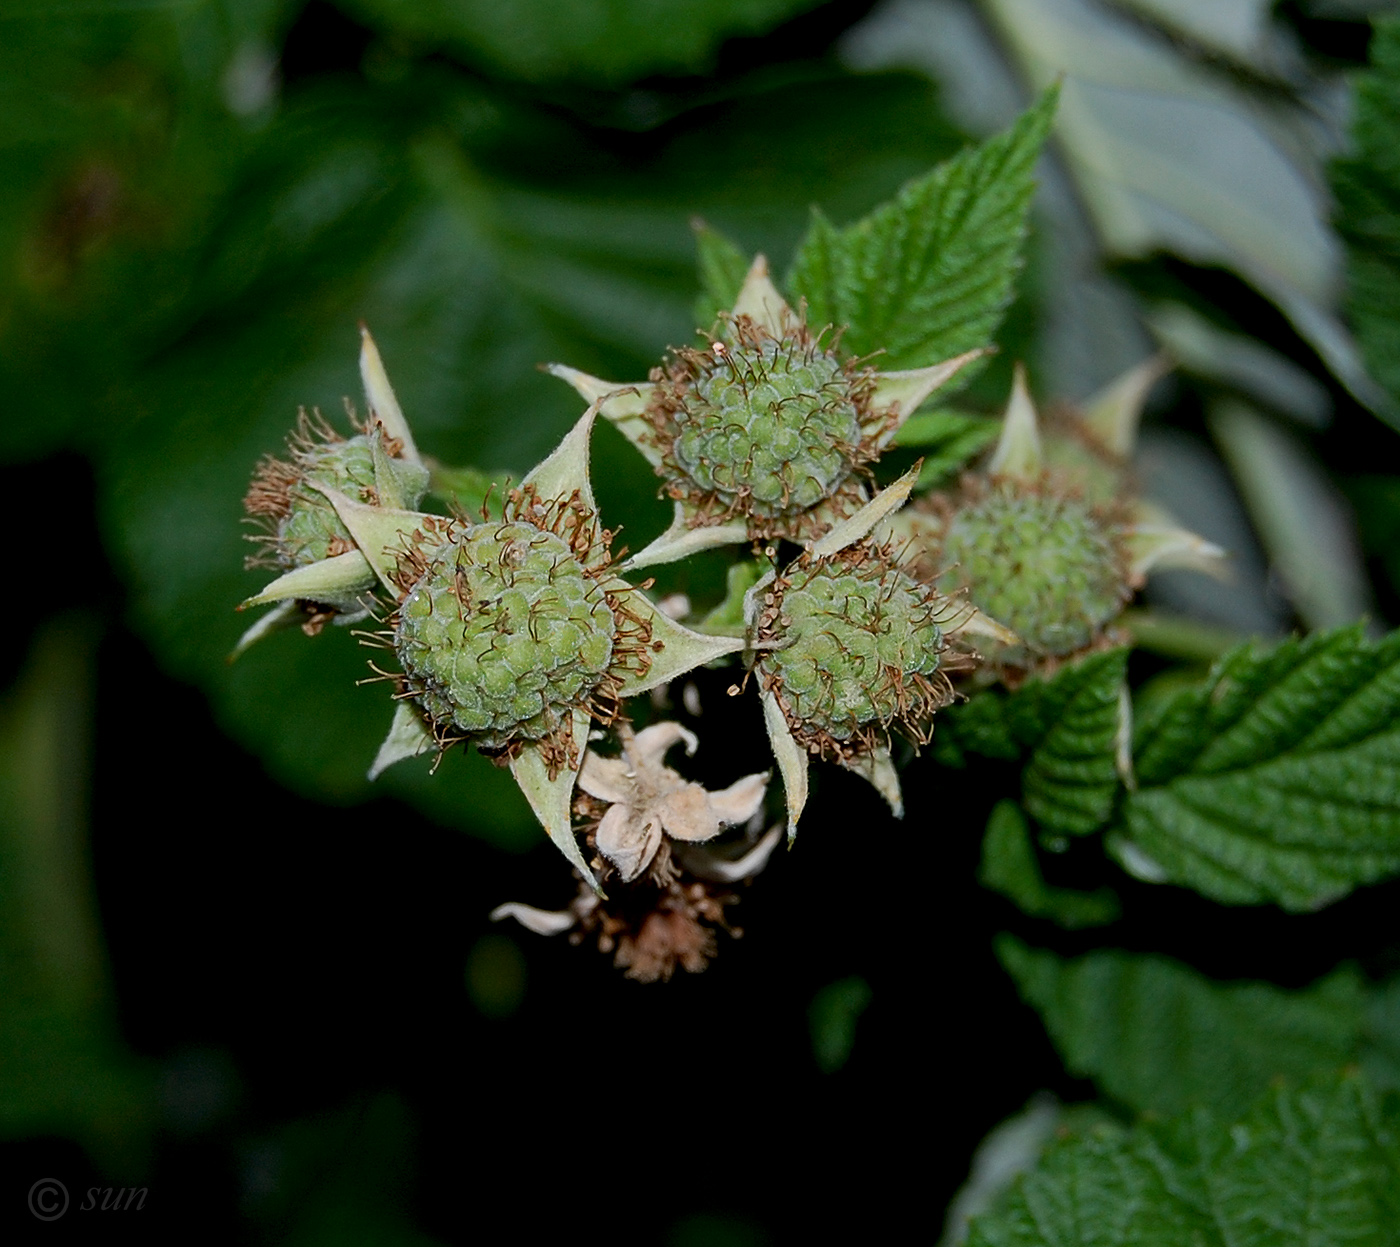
[(1018, 455), (565, 473), (552, 799), (408, 737), (680, 650), (340, 582), (905, 391), (858, 526), (379, 394), (623, 406), (376, 530), (877, 769), (791, 758), (400, 483), (760, 301), (286, 614), (682, 540)]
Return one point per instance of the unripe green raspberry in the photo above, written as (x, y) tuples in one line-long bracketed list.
[(1046, 564), (503, 634), (764, 427), (859, 647), (301, 525)]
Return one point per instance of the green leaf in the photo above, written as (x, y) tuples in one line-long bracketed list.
[(929, 274), (1157, 1036), (1317, 1166), (722, 269), (1367, 187), (581, 41), (1009, 867), (1069, 726), (948, 439), (1277, 779)]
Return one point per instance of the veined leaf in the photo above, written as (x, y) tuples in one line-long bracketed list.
[(1157, 1036), (929, 274), (1278, 779), (1069, 726), (1009, 866), (1318, 1166)]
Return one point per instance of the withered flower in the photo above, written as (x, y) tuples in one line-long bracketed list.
[(651, 828), (647, 799)]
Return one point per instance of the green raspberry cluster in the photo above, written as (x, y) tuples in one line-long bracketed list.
[(769, 426), (859, 647), (1045, 565), (503, 634)]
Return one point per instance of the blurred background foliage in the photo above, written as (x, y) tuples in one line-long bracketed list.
[(230, 974)]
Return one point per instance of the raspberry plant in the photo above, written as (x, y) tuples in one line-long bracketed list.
[(962, 634)]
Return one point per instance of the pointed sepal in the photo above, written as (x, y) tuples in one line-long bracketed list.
[(286, 614), (340, 582), (565, 471), (408, 737), (1018, 454), (675, 649), (858, 526), (904, 392), (552, 799), (623, 406), (1157, 547), (378, 531), (399, 483), (760, 301), (790, 757), (877, 769), (1112, 416), (972, 622), (379, 394), (682, 540)]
